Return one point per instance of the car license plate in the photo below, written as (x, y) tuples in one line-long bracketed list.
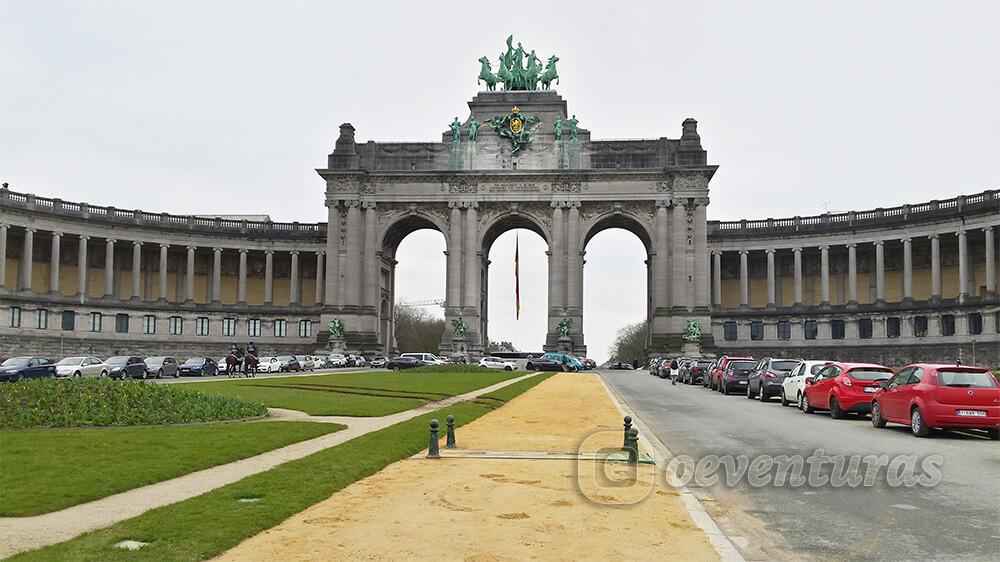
[(870, 389), (973, 413), (743, 382)]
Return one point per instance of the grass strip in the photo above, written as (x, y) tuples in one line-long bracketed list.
[(57, 468)]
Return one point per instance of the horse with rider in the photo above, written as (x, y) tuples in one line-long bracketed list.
[(243, 363)]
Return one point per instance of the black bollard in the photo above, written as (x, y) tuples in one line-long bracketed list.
[(451, 433), (628, 425), (633, 446), (432, 444)]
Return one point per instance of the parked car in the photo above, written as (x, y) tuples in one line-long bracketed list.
[(222, 366), (162, 367), (322, 362), (734, 378), (377, 362), (715, 377), (199, 366), (695, 371), (589, 364), (338, 360), (356, 361), (458, 359), (268, 364), (81, 367), (289, 363), (27, 367), (618, 366), (795, 381), (654, 366), (125, 366), (306, 362), (554, 362), (928, 396), (766, 378), (843, 387), (497, 363), (427, 358), (404, 362)]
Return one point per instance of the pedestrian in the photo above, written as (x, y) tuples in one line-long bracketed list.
[(673, 372)]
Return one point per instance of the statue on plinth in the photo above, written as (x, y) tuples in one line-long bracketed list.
[(460, 328), (563, 328)]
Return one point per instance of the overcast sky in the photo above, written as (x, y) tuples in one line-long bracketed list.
[(229, 106)]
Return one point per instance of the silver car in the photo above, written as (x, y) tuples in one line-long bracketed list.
[(81, 367), (162, 367), (306, 362)]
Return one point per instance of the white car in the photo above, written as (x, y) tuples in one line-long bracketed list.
[(306, 362), (81, 367), (222, 366), (268, 365), (427, 358), (795, 381), (497, 363), (338, 360)]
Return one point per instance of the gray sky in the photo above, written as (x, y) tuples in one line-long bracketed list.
[(227, 106)]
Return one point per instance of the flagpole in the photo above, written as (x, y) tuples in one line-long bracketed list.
[(517, 277)]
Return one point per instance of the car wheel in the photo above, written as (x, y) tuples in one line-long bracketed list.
[(159, 374), (77, 374), (725, 389), (784, 400), (918, 425), (993, 434), (763, 395), (749, 393), (177, 373), (836, 412), (104, 374), (806, 407), (507, 368), (395, 368), (877, 419)]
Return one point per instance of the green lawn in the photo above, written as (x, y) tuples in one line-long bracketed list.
[(353, 394), (49, 469), (203, 527)]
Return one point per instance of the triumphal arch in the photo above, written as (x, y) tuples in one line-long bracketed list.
[(518, 159)]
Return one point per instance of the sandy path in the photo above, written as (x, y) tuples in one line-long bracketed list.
[(18, 534), (491, 509)]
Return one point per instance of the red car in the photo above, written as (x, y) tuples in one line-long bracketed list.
[(843, 387), (715, 377), (939, 396)]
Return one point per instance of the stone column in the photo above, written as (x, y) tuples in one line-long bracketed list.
[(824, 275), (372, 261), (353, 262), (717, 278), (991, 262), (3, 255), (879, 272), (189, 277), (574, 269), (907, 270), (935, 267), (293, 289), (136, 269), (701, 265), (661, 264), (24, 268), (744, 280), (319, 276), (472, 261), (241, 283), (81, 267), (164, 248), (963, 267), (216, 275), (453, 281), (333, 254), (556, 259), (771, 302), (852, 273), (109, 267), (54, 265), (798, 276), (268, 277)]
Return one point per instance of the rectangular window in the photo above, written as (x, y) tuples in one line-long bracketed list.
[(15, 317), (756, 330), (865, 330), (784, 330), (893, 327), (42, 319), (149, 324), (280, 330), (305, 328), (121, 323), (176, 325), (975, 324), (919, 326), (201, 326), (809, 329), (68, 320), (253, 328), (95, 321), (729, 330), (947, 324), (229, 326), (837, 329)]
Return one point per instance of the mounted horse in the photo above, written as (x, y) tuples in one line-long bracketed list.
[(250, 363), (233, 365), (486, 74)]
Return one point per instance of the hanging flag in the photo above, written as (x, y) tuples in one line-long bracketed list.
[(517, 279)]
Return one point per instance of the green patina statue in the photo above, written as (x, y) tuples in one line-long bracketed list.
[(564, 328), (456, 130), (473, 130), (513, 73), (336, 329), (692, 333), (460, 328), (520, 129), (572, 123), (557, 128)]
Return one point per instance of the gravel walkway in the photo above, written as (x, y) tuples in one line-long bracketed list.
[(18, 534)]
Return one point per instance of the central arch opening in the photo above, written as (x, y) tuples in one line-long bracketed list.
[(412, 281)]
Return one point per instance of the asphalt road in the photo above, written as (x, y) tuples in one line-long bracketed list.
[(956, 519), (223, 377)]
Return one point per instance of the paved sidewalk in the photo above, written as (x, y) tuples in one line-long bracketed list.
[(18, 534), (544, 506)]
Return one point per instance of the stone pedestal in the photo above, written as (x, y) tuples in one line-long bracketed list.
[(691, 349)]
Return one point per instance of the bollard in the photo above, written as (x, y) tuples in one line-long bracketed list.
[(451, 433), (633, 446), (432, 445), (628, 425)]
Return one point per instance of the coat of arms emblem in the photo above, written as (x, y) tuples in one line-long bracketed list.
[(518, 128)]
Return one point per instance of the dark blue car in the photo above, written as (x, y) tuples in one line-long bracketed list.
[(199, 366), (27, 367)]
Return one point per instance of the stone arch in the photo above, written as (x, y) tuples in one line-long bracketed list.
[(510, 220), (618, 219), (392, 235)]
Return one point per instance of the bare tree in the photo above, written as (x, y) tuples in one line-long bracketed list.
[(630, 344), (416, 330)]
